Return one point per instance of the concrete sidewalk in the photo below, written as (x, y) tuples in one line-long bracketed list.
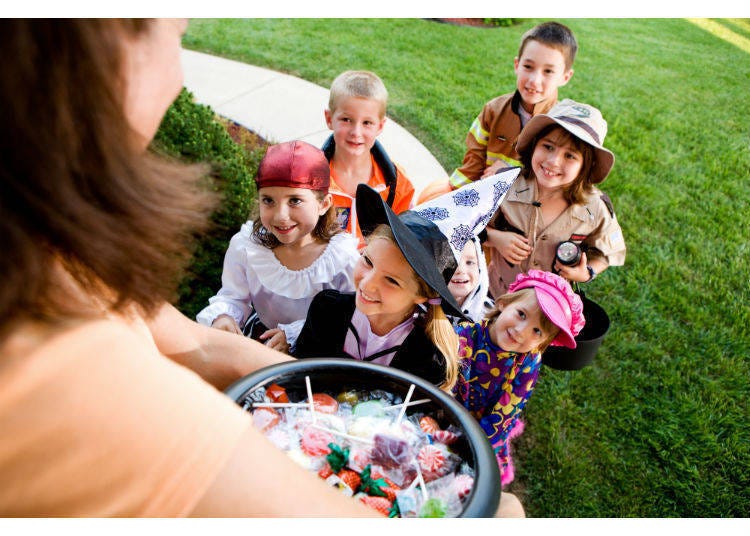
[(280, 107)]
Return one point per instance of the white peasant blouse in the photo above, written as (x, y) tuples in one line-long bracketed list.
[(253, 279)]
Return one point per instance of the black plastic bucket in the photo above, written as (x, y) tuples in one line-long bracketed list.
[(340, 374), (588, 340)]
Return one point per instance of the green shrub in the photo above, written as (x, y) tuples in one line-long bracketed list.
[(501, 22), (194, 133)]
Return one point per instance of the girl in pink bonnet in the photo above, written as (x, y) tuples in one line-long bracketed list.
[(500, 356)]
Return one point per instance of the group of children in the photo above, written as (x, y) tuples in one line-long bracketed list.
[(464, 288)]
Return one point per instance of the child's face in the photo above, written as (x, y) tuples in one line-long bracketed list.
[(466, 277), (555, 161), (518, 328), (291, 214), (356, 123), (387, 289), (539, 72)]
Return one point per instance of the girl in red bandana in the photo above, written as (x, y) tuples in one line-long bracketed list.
[(277, 263)]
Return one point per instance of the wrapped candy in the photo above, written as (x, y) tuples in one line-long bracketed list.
[(390, 451), (314, 441), (365, 445), (265, 418), (276, 393), (325, 403)]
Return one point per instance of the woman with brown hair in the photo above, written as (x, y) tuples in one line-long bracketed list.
[(108, 395)]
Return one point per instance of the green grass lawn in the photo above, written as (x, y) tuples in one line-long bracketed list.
[(659, 426)]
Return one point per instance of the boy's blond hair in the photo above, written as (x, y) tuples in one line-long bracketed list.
[(553, 35), (362, 84)]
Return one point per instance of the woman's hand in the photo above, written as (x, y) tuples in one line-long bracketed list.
[(276, 339), (512, 246), (226, 323)]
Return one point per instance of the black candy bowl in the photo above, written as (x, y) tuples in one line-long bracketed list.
[(340, 374)]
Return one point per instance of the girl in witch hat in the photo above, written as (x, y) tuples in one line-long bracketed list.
[(397, 316)]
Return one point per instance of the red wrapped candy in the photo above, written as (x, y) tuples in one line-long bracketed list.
[(265, 418), (428, 425), (325, 403), (445, 437), (431, 461), (277, 394), (462, 485), (314, 441)]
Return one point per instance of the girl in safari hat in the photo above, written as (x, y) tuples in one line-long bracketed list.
[(556, 200)]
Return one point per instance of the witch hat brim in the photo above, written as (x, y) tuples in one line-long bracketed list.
[(422, 243)]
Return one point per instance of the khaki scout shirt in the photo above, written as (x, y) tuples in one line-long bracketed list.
[(492, 136), (592, 223)]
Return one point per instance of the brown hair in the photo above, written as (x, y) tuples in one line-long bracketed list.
[(76, 189), (553, 35), (437, 327), (526, 295), (575, 192), (325, 229)]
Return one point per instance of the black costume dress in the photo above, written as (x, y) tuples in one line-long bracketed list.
[(326, 326)]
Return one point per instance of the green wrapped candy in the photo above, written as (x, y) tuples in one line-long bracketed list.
[(433, 507), (371, 408)]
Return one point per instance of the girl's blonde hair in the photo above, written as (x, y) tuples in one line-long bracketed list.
[(527, 295), (436, 325), (325, 229)]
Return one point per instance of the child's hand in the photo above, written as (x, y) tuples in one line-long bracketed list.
[(494, 168), (512, 246), (579, 272), (226, 323), (276, 339)]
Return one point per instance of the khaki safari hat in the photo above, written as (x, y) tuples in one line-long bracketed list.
[(584, 122)]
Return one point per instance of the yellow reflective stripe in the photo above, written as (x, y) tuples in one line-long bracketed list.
[(458, 179), (482, 136), (494, 157)]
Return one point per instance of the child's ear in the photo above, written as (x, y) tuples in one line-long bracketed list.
[(327, 114), (325, 204), (380, 127), (567, 76)]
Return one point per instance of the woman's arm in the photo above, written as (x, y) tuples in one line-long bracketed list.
[(217, 356), (260, 480)]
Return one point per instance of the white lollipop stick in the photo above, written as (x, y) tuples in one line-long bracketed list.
[(414, 403), (422, 484), (310, 398), (342, 434), (406, 403), (280, 404)]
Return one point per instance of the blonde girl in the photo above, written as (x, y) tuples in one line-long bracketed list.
[(397, 314)]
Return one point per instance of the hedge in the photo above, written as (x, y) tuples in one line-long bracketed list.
[(195, 133)]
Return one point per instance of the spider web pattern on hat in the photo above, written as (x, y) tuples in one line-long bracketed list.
[(463, 213)]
